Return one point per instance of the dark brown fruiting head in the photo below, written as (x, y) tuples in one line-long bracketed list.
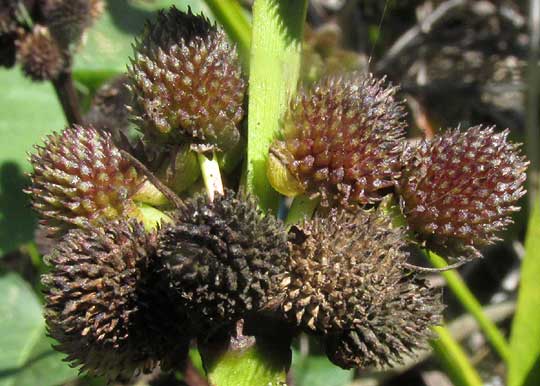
[(69, 19), (342, 141), (186, 82), (346, 279), (39, 55), (100, 302), (460, 189), (81, 178), (223, 257)]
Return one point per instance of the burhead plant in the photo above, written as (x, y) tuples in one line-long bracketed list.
[(148, 260)]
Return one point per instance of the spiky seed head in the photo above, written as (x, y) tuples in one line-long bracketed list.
[(101, 304), (187, 83), (459, 189), (223, 257), (80, 178), (40, 56), (342, 140), (69, 19), (346, 277)]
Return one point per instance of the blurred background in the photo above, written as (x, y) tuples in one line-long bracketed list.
[(458, 62)]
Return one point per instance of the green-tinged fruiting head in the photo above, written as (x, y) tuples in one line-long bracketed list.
[(69, 19), (223, 257), (104, 306), (342, 140), (346, 277), (80, 178), (39, 55), (186, 82), (460, 188)]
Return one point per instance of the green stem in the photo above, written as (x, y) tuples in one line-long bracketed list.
[(234, 20), (301, 208), (471, 304), (524, 365), (276, 44), (260, 358), (211, 175), (247, 368), (454, 359)]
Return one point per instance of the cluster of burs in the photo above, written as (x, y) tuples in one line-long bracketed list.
[(137, 275), (41, 35)]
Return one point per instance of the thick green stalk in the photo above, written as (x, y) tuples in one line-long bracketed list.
[(276, 45), (471, 304), (454, 359), (524, 365), (247, 368), (234, 20)]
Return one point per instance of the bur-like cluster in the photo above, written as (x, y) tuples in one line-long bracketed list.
[(69, 19), (122, 298), (101, 305), (347, 284), (186, 82), (343, 140), (41, 34), (459, 189), (224, 257), (80, 178), (40, 56)]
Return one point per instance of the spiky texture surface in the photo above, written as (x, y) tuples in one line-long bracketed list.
[(40, 56), (459, 189), (102, 305), (80, 178), (68, 19), (187, 83), (223, 257), (342, 139), (347, 280)]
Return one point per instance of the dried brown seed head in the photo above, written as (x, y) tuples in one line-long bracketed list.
[(103, 305), (69, 19), (223, 257), (40, 56), (347, 279)]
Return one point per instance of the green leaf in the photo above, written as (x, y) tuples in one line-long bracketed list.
[(29, 111), (318, 371), (27, 357), (524, 366)]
